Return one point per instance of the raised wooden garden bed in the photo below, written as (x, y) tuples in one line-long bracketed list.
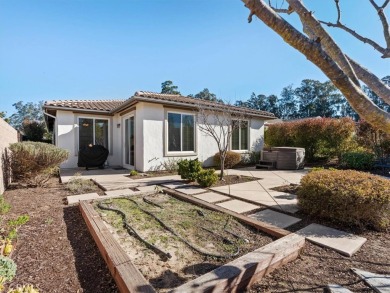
[(183, 244)]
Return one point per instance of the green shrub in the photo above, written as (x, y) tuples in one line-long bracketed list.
[(206, 178), (357, 161), (7, 268), (231, 159), (78, 185), (33, 130), (133, 173), (319, 136), (189, 169), (34, 162), (347, 196), (373, 139), (183, 168)]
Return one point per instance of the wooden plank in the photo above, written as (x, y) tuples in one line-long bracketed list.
[(262, 226), (126, 275), (247, 269)]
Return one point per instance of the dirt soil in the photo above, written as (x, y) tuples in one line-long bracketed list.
[(189, 221), (316, 267), (55, 251)]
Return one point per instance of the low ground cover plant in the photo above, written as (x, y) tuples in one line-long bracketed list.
[(34, 162), (78, 185), (347, 196), (232, 159)]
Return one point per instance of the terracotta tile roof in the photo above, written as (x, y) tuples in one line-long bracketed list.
[(97, 105), (114, 106), (194, 102)]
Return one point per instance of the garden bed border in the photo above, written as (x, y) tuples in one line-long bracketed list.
[(249, 268)]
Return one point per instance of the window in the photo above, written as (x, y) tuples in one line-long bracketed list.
[(181, 133), (93, 131), (240, 135)]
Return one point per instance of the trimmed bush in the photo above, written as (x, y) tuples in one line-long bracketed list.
[(206, 178), (189, 169), (7, 268), (357, 161), (319, 136), (232, 159), (34, 162), (347, 196)]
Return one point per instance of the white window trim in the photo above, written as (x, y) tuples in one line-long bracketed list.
[(166, 135), (239, 137), (93, 118)]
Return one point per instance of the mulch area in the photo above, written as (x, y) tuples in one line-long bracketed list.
[(316, 267), (55, 251)]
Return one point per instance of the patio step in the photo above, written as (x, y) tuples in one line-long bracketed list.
[(266, 164)]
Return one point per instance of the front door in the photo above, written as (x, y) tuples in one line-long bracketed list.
[(129, 142)]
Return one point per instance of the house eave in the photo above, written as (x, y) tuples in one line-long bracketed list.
[(79, 110)]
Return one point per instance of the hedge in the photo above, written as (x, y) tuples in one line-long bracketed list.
[(319, 136), (346, 196)]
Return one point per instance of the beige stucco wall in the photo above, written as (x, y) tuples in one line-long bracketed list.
[(7, 135)]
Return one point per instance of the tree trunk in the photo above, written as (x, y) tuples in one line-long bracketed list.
[(314, 52), (222, 167)]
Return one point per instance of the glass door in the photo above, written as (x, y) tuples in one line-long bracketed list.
[(129, 142)]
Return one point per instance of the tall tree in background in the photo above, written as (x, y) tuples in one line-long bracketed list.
[(167, 87), (205, 94), (26, 111), (3, 116), (288, 104), (317, 45), (318, 99)]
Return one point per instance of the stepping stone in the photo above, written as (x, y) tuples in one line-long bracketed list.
[(334, 288), (342, 242), (119, 192), (274, 218), (147, 188), (212, 197), (238, 206), (379, 283), (76, 198), (190, 190), (174, 185)]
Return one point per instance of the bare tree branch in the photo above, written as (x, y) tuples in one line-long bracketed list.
[(218, 124), (320, 57), (372, 81), (327, 42), (365, 40), (382, 17)]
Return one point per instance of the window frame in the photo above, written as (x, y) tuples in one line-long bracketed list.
[(93, 127), (239, 136), (168, 153)]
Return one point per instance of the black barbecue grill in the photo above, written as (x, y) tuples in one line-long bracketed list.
[(92, 156)]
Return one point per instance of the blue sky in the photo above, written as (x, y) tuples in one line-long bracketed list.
[(95, 49)]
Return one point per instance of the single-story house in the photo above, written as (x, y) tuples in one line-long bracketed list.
[(147, 129)]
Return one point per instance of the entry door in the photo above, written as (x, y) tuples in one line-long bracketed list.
[(129, 142)]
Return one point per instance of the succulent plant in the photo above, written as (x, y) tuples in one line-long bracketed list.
[(7, 268)]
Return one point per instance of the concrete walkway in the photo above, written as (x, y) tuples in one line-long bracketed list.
[(112, 179), (259, 191)]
